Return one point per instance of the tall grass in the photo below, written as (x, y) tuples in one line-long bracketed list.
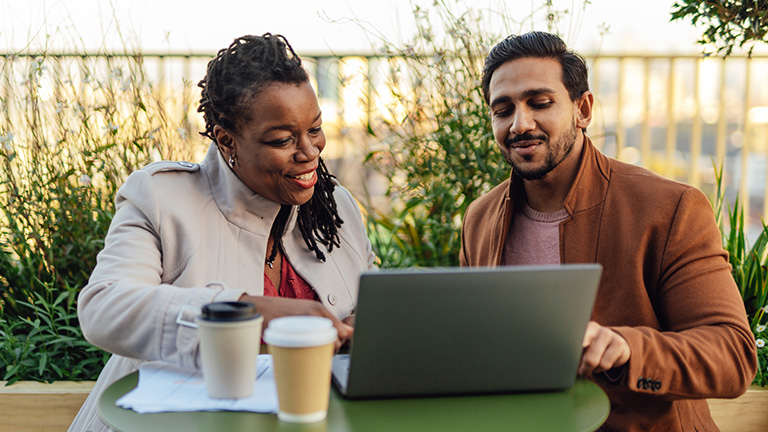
[(71, 130), (749, 268), (435, 142)]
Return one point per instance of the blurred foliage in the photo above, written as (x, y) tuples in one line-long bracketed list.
[(729, 24), (71, 130), (436, 147)]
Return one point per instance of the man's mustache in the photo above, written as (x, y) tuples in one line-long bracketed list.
[(524, 137)]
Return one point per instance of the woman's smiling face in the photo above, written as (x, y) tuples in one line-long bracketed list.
[(277, 143)]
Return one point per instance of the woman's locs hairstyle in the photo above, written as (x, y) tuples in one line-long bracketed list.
[(240, 72), (234, 77)]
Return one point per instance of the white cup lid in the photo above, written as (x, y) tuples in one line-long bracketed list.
[(300, 331)]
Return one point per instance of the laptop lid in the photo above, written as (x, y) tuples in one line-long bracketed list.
[(443, 331)]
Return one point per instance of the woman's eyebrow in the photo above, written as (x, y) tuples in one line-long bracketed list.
[(288, 127)]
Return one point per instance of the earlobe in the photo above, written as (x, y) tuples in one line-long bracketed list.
[(584, 110), (224, 140)]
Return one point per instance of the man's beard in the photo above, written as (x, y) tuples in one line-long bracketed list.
[(555, 154)]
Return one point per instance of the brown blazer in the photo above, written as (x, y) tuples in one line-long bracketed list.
[(666, 288)]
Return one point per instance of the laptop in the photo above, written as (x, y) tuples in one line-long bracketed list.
[(461, 331)]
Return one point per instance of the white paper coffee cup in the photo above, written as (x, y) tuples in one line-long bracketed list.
[(230, 339), (302, 350)]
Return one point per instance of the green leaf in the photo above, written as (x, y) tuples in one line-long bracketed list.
[(43, 363)]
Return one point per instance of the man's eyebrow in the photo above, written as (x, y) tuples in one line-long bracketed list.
[(524, 95), (500, 100), (537, 91)]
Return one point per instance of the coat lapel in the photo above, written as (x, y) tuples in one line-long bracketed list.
[(580, 234)]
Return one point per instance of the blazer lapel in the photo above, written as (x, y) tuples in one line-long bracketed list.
[(580, 234)]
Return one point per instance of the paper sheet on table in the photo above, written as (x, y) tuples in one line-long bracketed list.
[(163, 387)]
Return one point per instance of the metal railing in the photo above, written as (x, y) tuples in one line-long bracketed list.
[(679, 115)]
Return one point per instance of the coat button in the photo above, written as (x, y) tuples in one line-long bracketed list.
[(186, 164), (332, 299)]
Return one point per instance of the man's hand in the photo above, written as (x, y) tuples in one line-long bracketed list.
[(603, 349), (275, 307)]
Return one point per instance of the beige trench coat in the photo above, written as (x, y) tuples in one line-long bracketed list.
[(185, 235)]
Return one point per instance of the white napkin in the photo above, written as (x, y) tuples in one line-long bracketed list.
[(164, 387)]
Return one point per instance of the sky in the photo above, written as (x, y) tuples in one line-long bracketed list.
[(325, 26)]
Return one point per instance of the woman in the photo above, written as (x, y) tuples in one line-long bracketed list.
[(260, 220)]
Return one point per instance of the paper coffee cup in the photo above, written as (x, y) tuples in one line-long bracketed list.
[(302, 350), (230, 337)]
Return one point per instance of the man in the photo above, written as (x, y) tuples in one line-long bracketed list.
[(668, 328)]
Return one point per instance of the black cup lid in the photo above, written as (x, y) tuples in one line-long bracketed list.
[(228, 311)]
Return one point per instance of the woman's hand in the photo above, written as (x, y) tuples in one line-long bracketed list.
[(603, 349), (275, 307), (350, 320)]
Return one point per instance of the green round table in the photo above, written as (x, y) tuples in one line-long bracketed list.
[(584, 407)]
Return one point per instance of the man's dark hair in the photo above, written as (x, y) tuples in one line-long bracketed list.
[(234, 78), (541, 45)]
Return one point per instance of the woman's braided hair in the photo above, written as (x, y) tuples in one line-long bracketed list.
[(234, 77)]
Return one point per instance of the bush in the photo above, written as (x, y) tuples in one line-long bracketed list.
[(69, 135), (48, 345), (441, 155)]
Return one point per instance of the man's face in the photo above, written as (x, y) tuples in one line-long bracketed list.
[(535, 123)]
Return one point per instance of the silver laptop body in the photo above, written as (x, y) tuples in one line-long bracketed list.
[(448, 331)]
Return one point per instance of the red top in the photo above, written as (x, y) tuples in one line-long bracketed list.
[(291, 284)]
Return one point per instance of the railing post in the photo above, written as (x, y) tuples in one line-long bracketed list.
[(696, 126), (645, 137), (621, 134), (722, 122), (745, 143), (671, 122), (597, 128)]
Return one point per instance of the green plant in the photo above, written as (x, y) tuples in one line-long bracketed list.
[(749, 267), (48, 345), (71, 129), (433, 140), (730, 24), (438, 152)]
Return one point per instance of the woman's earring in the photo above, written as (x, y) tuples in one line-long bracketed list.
[(231, 161)]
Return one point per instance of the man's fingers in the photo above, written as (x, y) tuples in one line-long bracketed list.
[(592, 355), (611, 357), (592, 329), (604, 349)]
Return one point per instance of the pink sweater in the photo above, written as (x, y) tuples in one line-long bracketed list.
[(534, 237)]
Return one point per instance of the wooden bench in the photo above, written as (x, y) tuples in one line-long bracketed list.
[(38, 407), (747, 413)]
